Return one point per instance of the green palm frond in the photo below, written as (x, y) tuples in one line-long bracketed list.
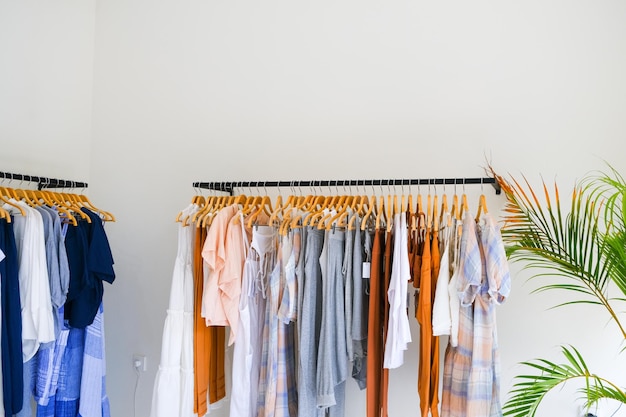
[(611, 188), (530, 390), (585, 247)]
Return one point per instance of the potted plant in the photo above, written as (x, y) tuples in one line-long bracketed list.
[(579, 248)]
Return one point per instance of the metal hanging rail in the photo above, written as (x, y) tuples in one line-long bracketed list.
[(44, 182), (230, 186)]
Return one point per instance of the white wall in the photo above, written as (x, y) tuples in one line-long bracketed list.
[(191, 90), (46, 79)]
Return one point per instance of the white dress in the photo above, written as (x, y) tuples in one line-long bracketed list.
[(399, 333), (173, 386)]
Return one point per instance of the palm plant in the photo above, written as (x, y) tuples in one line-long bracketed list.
[(585, 248)]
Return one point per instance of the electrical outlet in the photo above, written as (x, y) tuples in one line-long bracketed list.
[(140, 362)]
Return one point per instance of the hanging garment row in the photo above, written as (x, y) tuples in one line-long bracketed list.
[(315, 291), (331, 211), (68, 205), (54, 257)]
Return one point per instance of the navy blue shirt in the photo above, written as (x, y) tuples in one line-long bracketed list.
[(11, 336), (91, 263)]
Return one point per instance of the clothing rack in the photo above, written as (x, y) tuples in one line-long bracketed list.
[(229, 186), (44, 182)]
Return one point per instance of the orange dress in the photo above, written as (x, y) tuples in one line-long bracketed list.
[(428, 372), (375, 328)]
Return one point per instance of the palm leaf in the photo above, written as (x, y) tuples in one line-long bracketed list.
[(531, 389), (573, 246), (586, 249)]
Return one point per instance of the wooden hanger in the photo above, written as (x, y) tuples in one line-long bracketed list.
[(27, 197), (210, 208), (482, 206), (464, 205), (300, 204), (45, 196), (342, 212), (311, 206), (338, 205), (429, 212), (196, 199), (5, 215), (68, 201), (50, 200), (9, 193), (250, 203), (445, 212), (265, 206), (278, 211), (349, 208), (218, 204), (435, 218), (290, 206), (314, 217), (420, 232), (411, 221), (389, 209), (85, 202), (455, 211), (206, 208), (360, 209), (396, 210), (5, 197), (370, 211), (380, 215)]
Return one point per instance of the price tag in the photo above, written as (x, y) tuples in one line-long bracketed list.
[(367, 270)]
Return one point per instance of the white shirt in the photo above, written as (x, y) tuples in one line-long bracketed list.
[(442, 322), (37, 318), (399, 333)]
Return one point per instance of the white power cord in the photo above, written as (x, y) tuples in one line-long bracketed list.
[(137, 366)]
